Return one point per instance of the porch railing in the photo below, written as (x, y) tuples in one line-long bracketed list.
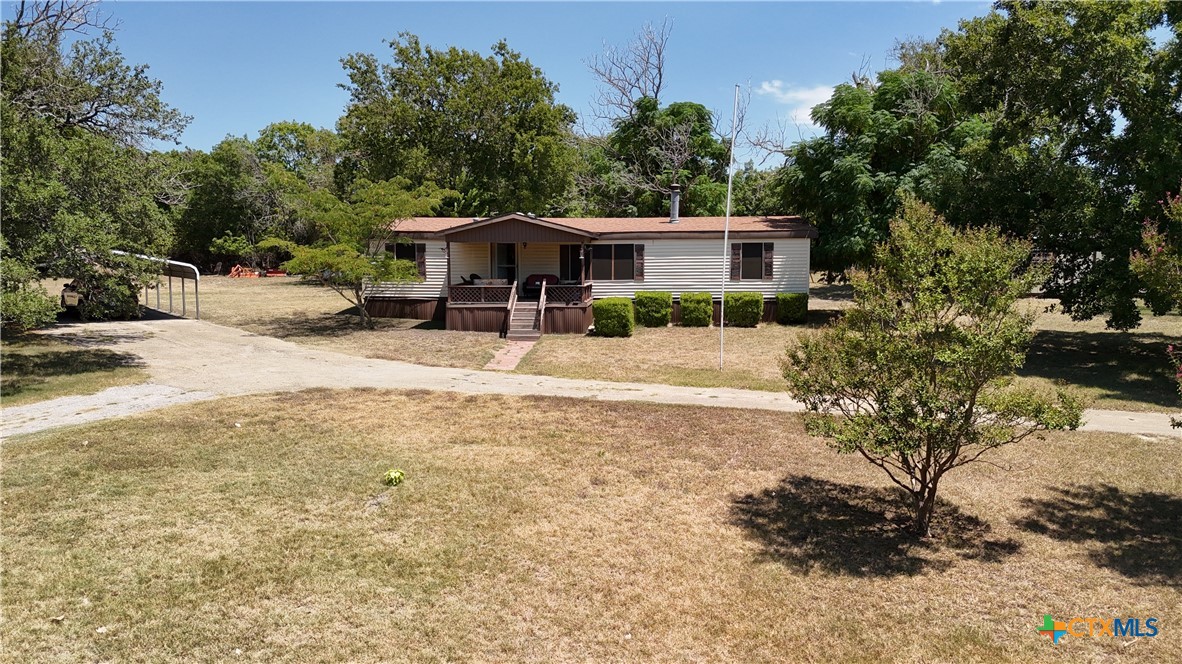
[(480, 294), (541, 324), (569, 293), (509, 311)]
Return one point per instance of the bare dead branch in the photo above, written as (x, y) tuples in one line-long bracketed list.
[(628, 73), (59, 17)]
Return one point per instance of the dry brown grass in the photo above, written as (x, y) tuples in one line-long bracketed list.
[(309, 314), (670, 355), (1116, 370), (557, 530), (36, 367)]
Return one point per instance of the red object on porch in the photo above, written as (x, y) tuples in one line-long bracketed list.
[(533, 283)]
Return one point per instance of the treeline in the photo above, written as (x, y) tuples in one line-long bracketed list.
[(485, 128), (1058, 122)]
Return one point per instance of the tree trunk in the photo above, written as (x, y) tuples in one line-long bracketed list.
[(363, 316), (925, 504)]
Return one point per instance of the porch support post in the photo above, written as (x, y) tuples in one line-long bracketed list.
[(582, 263), (447, 253)]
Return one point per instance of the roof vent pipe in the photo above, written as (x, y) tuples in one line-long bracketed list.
[(674, 203)]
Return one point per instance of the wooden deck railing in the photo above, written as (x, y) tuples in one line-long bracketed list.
[(509, 311), (570, 293), (480, 294)]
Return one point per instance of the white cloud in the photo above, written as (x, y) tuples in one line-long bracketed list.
[(801, 100)]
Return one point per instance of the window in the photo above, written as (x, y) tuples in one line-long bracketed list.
[(402, 251), (612, 262), (752, 261), (415, 253), (569, 263)]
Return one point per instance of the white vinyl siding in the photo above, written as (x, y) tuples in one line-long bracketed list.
[(468, 258), (536, 258), (672, 265), (431, 287), (690, 266)]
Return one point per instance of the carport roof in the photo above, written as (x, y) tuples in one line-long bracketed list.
[(170, 268)]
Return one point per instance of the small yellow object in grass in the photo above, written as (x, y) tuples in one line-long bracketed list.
[(394, 477)]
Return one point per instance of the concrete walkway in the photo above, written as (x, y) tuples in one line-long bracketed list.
[(192, 360), (509, 356)]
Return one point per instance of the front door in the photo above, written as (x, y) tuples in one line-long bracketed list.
[(505, 261)]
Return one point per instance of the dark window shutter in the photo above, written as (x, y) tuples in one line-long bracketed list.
[(769, 260), (421, 260), (638, 258), (736, 261)]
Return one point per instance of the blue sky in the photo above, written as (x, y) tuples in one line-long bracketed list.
[(236, 67)]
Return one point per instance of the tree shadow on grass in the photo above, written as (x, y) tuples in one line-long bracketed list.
[(1137, 534), (1125, 366), (340, 324), (25, 370), (822, 317), (811, 524), (836, 291)]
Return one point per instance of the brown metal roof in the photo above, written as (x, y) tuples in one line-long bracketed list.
[(792, 226)]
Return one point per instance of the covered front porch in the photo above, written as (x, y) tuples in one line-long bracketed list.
[(518, 276)]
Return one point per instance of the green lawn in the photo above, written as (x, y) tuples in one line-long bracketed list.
[(35, 367), (257, 529)]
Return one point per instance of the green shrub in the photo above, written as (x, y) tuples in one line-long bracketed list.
[(654, 309), (613, 317), (744, 308), (792, 308), (107, 296), (24, 304), (697, 309)]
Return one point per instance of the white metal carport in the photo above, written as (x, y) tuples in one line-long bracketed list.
[(170, 268)]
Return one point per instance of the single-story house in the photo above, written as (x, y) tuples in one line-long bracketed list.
[(523, 275)]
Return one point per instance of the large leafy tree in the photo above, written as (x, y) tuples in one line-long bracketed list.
[(73, 116), (306, 152), (1059, 122), (1087, 96), (240, 191), (916, 376), (486, 127), (629, 172), (900, 133)]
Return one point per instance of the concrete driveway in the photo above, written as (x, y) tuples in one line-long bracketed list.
[(191, 360)]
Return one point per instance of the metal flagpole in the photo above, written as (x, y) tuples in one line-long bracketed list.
[(726, 231)]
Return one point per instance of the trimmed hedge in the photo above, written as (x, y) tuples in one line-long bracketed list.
[(697, 309), (792, 308), (744, 308), (613, 317), (654, 309)]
